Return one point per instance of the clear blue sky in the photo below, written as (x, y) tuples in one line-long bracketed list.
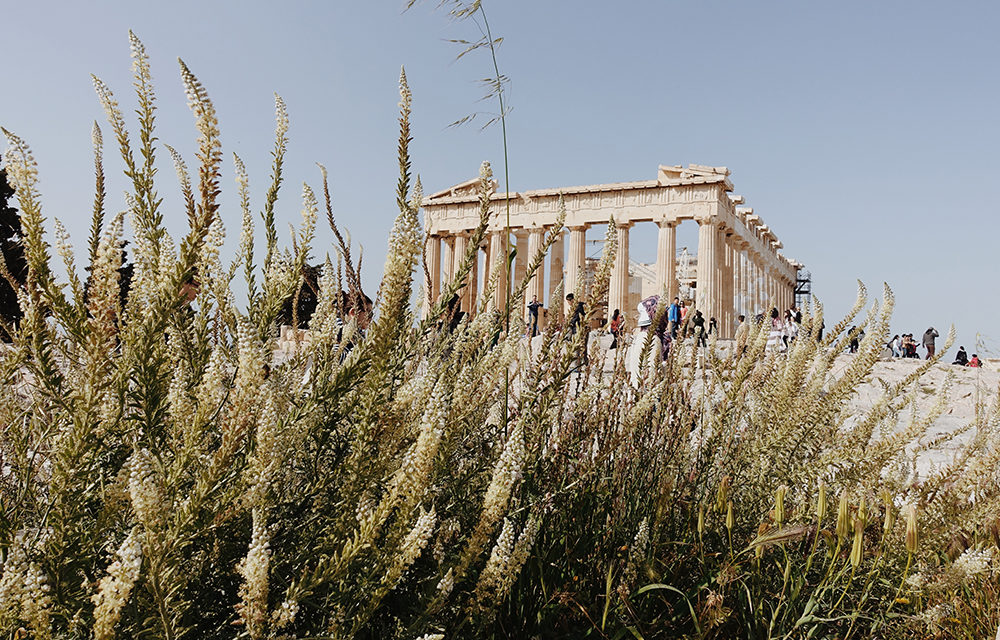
[(864, 133)]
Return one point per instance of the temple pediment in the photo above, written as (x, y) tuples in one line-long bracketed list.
[(462, 189), (677, 174)]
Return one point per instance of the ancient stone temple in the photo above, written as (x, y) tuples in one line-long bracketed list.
[(738, 267)]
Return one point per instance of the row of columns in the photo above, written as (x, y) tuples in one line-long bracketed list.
[(732, 279)]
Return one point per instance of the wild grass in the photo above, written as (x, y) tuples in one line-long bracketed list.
[(165, 476)]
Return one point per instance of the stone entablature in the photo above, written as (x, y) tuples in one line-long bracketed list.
[(738, 255)]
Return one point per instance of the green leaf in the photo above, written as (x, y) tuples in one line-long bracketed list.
[(658, 586)]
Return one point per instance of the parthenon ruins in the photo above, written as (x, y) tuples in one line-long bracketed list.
[(740, 269)]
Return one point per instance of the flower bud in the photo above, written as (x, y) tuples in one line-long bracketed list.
[(911, 529), (730, 519), (843, 518), (821, 503), (723, 494), (779, 505), (701, 521), (859, 530)]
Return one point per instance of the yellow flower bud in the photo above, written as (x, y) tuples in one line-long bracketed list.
[(911, 529), (730, 520), (859, 531), (701, 521), (723, 495), (821, 503), (843, 518), (779, 505)]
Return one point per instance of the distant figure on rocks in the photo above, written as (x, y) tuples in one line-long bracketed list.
[(975, 362), (713, 326), (852, 346), (961, 358), (928, 341)]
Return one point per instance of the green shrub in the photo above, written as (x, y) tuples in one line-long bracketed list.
[(165, 476)]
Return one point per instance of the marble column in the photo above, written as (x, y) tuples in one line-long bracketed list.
[(772, 298), (497, 269), (472, 289), (726, 320), (704, 291), (618, 287), (555, 273), (432, 288), (741, 280), (520, 270), (447, 261), (779, 285), (458, 255), (577, 264), (536, 286), (719, 284), (666, 259), (758, 285), (521, 260)]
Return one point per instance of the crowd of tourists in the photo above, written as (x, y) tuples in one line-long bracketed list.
[(905, 346), (785, 326)]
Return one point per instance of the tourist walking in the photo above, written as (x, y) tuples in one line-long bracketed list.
[(788, 330), (615, 327), (928, 341), (575, 320), (774, 338), (699, 328), (852, 345), (533, 316), (576, 317), (646, 311), (674, 317), (791, 328)]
